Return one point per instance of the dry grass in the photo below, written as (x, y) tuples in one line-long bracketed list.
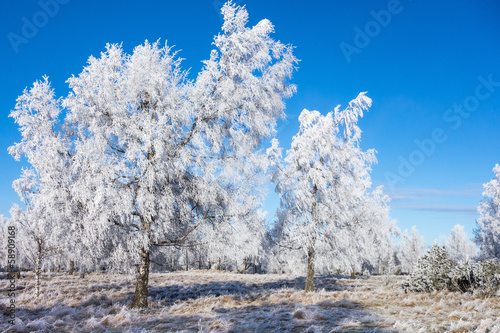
[(207, 301)]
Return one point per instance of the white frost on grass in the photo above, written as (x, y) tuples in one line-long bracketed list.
[(208, 301)]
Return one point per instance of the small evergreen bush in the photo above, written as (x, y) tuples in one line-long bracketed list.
[(432, 271), (437, 271), (462, 277), (487, 276)]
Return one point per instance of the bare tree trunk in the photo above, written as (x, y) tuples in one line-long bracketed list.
[(311, 252), (141, 287), (187, 260), (71, 267), (311, 258), (199, 260), (59, 263), (38, 265), (173, 260), (379, 265), (245, 266)]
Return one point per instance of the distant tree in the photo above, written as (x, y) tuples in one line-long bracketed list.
[(411, 249), (487, 235), (365, 242), (237, 244), (4, 222), (323, 178), (378, 231), (460, 248)]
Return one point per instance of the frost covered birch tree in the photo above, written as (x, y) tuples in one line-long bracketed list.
[(237, 244), (157, 154), (459, 246), (487, 235), (44, 186), (411, 249), (366, 239), (322, 178), (4, 224)]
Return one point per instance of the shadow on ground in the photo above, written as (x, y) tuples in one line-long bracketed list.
[(103, 314), (172, 293)]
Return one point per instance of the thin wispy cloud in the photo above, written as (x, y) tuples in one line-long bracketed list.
[(439, 208), (430, 194)]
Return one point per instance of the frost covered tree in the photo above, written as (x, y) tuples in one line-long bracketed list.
[(365, 242), (411, 249), (44, 186), (487, 234), (321, 180), (37, 233), (459, 246), (4, 223), (236, 245), (158, 155), (376, 231)]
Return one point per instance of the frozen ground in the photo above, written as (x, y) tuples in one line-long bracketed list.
[(206, 301)]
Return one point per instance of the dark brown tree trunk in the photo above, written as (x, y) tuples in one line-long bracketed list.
[(59, 263), (311, 256), (71, 267), (311, 252), (141, 287), (199, 260), (173, 260), (208, 259), (38, 266)]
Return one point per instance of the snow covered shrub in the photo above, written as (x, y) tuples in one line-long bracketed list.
[(462, 277), (432, 271), (437, 271), (483, 277), (487, 276)]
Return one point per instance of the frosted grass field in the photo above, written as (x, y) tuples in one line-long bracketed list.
[(207, 301)]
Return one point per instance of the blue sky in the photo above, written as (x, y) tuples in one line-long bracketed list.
[(432, 70)]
